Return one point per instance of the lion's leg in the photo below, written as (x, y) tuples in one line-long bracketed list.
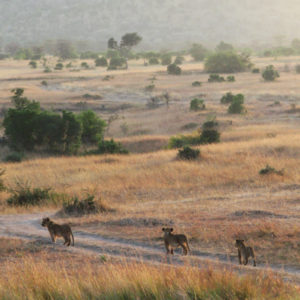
[(240, 256)]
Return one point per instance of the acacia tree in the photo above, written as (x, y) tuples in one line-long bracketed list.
[(123, 49)]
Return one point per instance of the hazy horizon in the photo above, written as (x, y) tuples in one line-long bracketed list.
[(162, 24)]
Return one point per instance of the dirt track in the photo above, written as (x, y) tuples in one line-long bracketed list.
[(27, 227)]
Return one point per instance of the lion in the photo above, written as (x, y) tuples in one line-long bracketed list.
[(175, 240), (244, 252), (57, 230)]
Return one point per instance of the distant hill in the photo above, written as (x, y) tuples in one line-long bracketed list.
[(162, 23)]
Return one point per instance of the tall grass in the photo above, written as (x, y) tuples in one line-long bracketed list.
[(42, 280)]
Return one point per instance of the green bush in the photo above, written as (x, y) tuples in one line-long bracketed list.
[(188, 153), (14, 157), (255, 70), (33, 64), (92, 127), (297, 69), (209, 136), (116, 62), (196, 83), (230, 78), (27, 126), (23, 195), (197, 104), (47, 70), (59, 66), (84, 206), (270, 170), (153, 61), (173, 69), (101, 62), (226, 62), (227, 98), (166, 59), (236, 106), (211, 124), (111, 147), (215, 78), (84, 65), (149, 88), (44, 83), (270, 74)]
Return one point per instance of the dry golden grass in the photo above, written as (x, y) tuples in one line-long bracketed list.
[(44, 279), (214, 200)]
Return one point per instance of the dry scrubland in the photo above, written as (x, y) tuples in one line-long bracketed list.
[(214, 200)]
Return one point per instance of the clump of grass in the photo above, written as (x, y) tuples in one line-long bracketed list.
[(14, 157), (196, 83), (230, 78), (150, 87), (24, 195), (270, 170), (188, 153), (215, 78), (85, 206)]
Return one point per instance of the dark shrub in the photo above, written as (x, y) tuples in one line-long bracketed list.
[(149, 88), (44, 83), (196, 83), (92, 97), (215, 78), (47, 70), (270, 170), (23, 195), (84, 206), (59, 66), (188, 153), (197, 104), (33, 64), (211, 124), (173, 69), (255, 70), (230, 78), (227, 98), (153, 61), (270, 74), (92, 127), (297, 69), (116, 62), (236, 106), (111, 147), (209, 136), (183, 140), (101, 62), (84, 65), (226, 62), (14, 157)]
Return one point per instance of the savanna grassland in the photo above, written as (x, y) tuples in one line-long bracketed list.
[(214, 200)]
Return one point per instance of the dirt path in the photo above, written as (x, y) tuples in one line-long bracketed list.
[(28, 227)]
